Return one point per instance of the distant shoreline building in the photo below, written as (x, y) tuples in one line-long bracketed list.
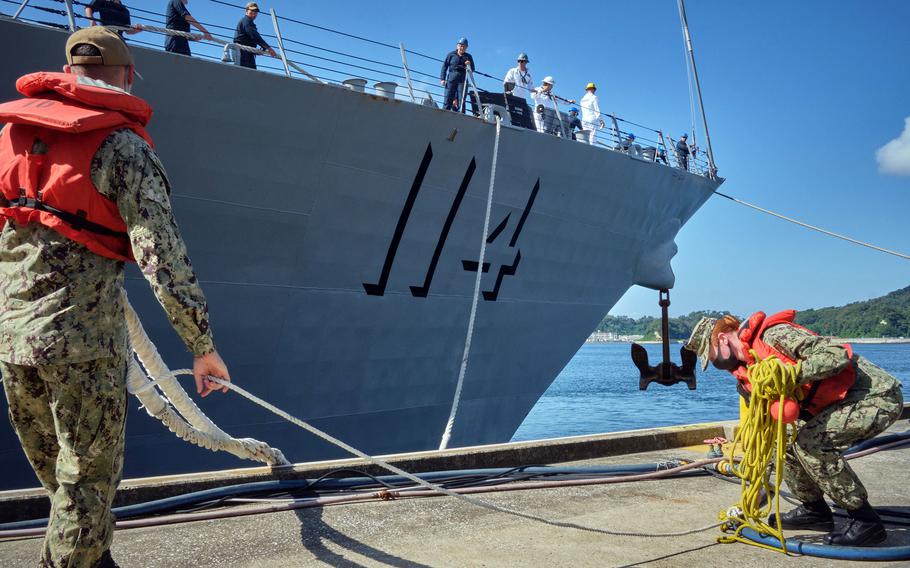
[(610, 337)]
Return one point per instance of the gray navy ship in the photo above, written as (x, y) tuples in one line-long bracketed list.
[(336, 234)]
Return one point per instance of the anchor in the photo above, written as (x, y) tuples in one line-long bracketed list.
[(666, 373)]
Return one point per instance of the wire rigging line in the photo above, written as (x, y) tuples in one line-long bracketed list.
[(814, 228), (689, 79), (325, 29)]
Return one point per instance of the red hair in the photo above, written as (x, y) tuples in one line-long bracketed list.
[(725, 324)]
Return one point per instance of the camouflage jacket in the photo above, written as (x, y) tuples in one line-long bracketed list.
[(820, 358), (61, 303)]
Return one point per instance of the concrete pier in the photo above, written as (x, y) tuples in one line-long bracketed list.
[(442, 531)]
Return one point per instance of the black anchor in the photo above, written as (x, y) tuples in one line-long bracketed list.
[(666, 373)]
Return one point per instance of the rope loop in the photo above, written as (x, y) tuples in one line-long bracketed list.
[(764, 442)]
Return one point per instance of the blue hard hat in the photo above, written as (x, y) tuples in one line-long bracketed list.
[(573, 109), (463, 41), (631, 135), (685, 135)]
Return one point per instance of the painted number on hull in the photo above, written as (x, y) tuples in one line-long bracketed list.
[(421, 291)]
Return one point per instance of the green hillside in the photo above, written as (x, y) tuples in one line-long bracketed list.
[(887, 316)]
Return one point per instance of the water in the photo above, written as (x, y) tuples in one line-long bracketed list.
[(598, 392)]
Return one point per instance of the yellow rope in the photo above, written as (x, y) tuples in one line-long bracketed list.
[(763, 439)]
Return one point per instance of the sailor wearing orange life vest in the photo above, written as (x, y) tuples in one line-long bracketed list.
[(81, 193), (845, 400)]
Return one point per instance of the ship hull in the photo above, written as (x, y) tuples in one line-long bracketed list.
[(334, 234)]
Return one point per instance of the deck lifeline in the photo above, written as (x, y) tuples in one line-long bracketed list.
[(445, 532)]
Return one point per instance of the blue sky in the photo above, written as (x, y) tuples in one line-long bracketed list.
[(799, 96)]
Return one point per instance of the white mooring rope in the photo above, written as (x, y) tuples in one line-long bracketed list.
[(438, 488), (447, 433), (221, 42), (176, 409)]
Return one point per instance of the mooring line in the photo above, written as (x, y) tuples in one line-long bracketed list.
[(442, 490), (814, 228), (456, 400)]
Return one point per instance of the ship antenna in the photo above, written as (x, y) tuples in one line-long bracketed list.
[(701, 106)]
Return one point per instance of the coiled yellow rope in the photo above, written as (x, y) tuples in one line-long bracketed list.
[(763, 439)]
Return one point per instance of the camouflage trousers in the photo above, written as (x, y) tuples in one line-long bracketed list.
[(70, 421), (815, 465)]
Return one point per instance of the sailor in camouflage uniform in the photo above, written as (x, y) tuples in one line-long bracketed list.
[(847, 400), (63, 339)]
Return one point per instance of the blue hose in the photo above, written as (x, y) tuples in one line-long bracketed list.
[(829, 551), (879, 441), (340, 484)]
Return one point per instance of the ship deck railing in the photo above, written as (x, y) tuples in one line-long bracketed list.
[(385, 74)]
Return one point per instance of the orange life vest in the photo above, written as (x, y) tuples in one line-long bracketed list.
[(46, 153), (817, 395)]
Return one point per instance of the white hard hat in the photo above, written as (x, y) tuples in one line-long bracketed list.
[(548, 79)]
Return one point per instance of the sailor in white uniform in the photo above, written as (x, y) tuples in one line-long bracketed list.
[(545, 109), (518, 79), (590, 112)]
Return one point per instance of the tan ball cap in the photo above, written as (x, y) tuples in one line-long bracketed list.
[(700, 340), (113, 50)]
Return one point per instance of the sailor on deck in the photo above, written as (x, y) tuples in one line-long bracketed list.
[(846, 400), (590, 112), (454, 75), (572, 123), (81, 193), (545, 107), (518, 80), (247, 34), (178, 18), (630, 146), (682, 152), (110, 13)]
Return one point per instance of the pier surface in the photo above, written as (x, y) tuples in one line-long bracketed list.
[(442, 531)]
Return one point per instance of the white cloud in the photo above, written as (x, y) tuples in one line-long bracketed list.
[(894, 157)]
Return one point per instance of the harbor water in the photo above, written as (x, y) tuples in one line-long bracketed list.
[(598, 392)]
